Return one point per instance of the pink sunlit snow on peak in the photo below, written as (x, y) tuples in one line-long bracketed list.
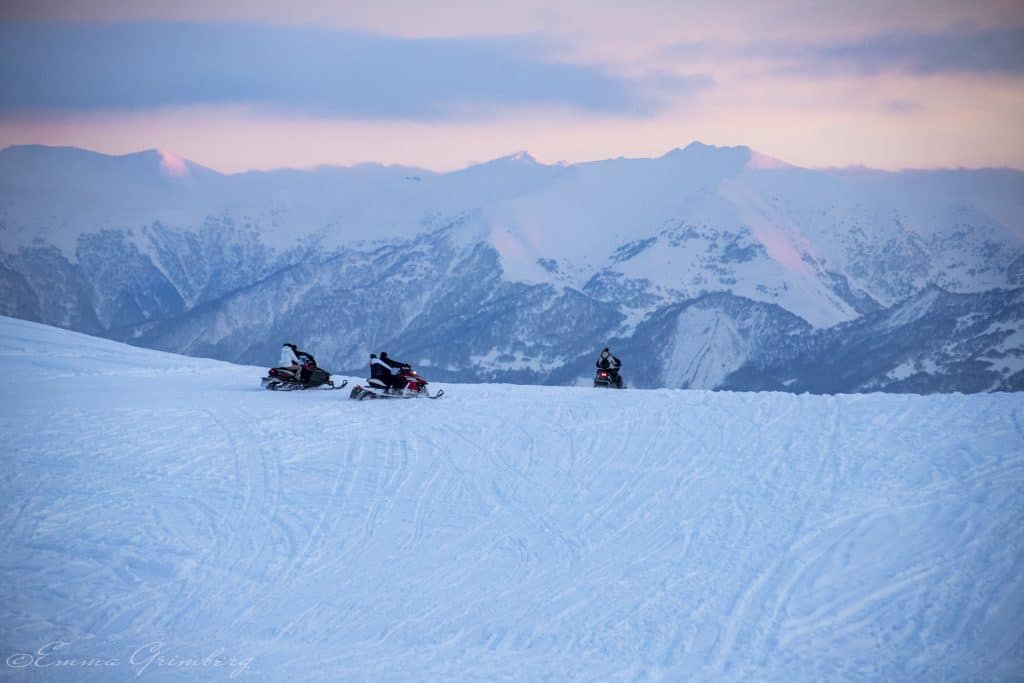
[(173, 165), (764, 162), (525, 157)]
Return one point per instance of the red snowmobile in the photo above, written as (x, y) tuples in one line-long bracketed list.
[(415, 386)]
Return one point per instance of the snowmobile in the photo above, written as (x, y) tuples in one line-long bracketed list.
[(606, 379), (415, 387), (282, 379)]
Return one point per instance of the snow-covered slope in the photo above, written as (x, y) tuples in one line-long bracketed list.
[(160, 508)]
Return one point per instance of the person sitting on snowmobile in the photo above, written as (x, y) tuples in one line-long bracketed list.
[(290, 360), (612, 364), (300, 363), (307, 364), (388, 370)]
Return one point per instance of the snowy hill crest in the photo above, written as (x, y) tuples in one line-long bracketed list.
[(503, 533)]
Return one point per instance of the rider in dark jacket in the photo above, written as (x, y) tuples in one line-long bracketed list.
[(387, 370), (307, 365), (610, 363)]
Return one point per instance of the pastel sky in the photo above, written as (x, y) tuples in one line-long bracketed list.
[(253, 84)]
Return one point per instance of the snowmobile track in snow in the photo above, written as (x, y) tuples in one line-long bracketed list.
[(508, 532)]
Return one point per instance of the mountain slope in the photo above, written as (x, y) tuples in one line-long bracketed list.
[(162, 505), (164, 253), (934, 341)]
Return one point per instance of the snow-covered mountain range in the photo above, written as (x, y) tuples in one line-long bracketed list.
[(707, 267)]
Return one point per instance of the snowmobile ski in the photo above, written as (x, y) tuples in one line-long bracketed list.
[(282, 385), (361, 393)]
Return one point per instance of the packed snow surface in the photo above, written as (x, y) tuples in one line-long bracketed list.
[(164, 518)]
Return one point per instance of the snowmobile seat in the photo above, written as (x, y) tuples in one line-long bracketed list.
[(374, 382), (283, 373)]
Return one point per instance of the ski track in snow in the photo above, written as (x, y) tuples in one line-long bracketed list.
[(503, 532)]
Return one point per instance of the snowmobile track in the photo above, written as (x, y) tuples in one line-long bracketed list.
[(522, 533)]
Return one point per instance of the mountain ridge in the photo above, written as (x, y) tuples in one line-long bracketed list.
[(526, 155), (168, 260)]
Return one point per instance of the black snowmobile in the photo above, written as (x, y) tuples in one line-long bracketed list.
[(608, 379), (282, 379)]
